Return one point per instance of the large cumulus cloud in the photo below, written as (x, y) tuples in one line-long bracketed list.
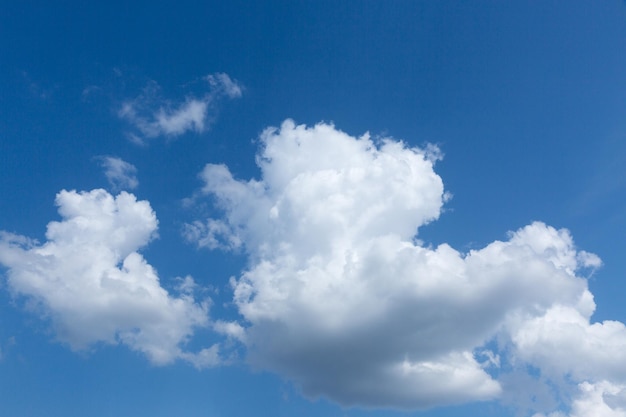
[(343, 299), (91, 283)]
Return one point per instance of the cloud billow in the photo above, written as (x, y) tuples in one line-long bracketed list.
[(343, 300), (91, 283)]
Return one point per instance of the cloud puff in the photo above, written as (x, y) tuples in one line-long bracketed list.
[(120, 174), (343, 300), (91, 283), (153, 116)]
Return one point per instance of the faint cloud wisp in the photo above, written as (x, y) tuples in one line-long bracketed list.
[(120, 174), (153, 116)]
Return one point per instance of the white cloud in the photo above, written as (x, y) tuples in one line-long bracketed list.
[(600, 399), (543, 339), (224, 83), (120, 174), (153, 116), (342, 299), (212, 234), (91, 283), (594, 400)]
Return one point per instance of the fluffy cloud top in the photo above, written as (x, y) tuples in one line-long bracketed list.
[(153, 116), (91, 283), (342, 299), (120, 174)]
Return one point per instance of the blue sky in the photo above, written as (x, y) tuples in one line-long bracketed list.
[(322, 208)]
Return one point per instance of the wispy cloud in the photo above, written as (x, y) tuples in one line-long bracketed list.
[(37, 89), (91, 283), (120, 174), (152, 116), (340, 297)]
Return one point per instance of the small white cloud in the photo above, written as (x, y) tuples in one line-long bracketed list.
[(91, 283), (120, 174), (186, 285), (341, 298), (223, 82), (152, 116), (231, 329), (212, 234), (206, 358), (190, 115)]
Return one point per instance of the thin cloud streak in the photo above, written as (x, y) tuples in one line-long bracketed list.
[(152, 116)]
